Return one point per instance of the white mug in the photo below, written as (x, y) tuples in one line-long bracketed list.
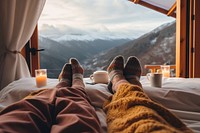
[(155, 79), (100, 77)]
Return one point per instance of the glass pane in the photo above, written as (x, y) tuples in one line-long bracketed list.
[(96, 31), (165, 4)]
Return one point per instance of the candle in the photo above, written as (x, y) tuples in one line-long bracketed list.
[(41, 77), (165, 70)]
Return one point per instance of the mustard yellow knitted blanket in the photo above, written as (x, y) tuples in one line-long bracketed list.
[(130, 110)]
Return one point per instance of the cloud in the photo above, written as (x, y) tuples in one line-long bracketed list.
[(119, 17)]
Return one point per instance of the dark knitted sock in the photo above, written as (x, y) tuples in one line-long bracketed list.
[(133, 70), (66, 75), (77, 73), (115, 69)]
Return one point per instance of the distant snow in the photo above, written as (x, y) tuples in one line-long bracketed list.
[(90, 37), (153, 41), (67, 33), (162, 27), (165, 42)]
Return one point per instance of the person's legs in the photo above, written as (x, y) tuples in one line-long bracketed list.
[(36, 112), (115, 71), (61, 109), (73, 110), (32, 114), (132, 71), (130, 109)]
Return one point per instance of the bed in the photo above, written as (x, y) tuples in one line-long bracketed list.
[(180, 95)]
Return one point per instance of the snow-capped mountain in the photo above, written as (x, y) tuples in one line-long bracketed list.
[(66, 33), (56, 53), (156, 47)]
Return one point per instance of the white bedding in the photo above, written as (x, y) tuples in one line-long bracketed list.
[(180, 95)]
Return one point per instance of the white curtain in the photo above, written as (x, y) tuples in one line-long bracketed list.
[(18, 19)]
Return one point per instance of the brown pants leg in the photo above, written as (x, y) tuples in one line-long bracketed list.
[(74, 112), (32, 114), (55, 110), (130, 110)]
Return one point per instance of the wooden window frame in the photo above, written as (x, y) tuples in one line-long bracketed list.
[(196, 31), (187, 40), (33, 61)]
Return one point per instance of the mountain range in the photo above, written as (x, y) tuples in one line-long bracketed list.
[(57, 53), (155, 47)]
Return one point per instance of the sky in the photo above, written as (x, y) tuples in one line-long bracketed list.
[(89, 19)]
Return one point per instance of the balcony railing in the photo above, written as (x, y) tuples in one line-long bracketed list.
[(155, 68)]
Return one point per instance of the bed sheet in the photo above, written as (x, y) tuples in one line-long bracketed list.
[(180, 95)]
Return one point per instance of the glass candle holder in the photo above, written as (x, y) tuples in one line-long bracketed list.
[(165, 70), (41, 77)]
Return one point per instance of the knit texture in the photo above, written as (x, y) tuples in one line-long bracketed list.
[(130, 110)]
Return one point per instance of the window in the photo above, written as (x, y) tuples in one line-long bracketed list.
[(95, 32)]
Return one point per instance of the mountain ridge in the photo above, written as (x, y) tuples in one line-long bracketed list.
[(155, 47), (56, 54)]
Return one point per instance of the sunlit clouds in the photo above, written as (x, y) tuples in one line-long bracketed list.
[(103, 18)]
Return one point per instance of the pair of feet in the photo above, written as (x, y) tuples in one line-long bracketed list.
[(71, 74), (119, 72)]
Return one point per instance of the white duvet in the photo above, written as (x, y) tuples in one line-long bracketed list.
[(180, 95)]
